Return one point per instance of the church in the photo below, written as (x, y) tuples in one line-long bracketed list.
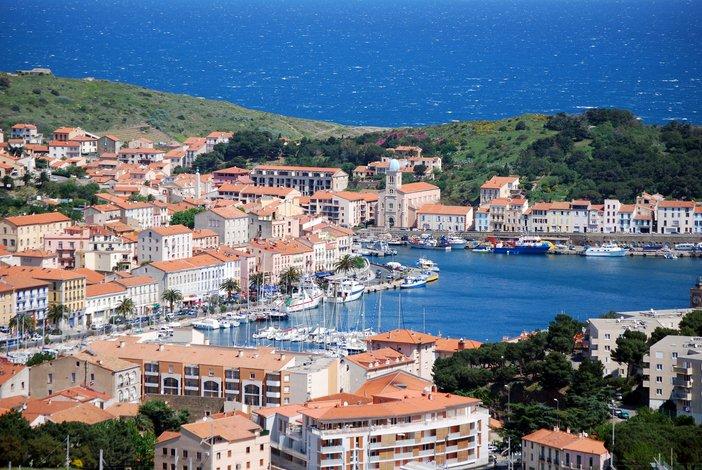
[(398, 203)]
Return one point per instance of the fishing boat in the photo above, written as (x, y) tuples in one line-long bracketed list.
[(305, 298), (206, 324), (482, 249), (428, 264), (343, 291), (608, 250), (431, 276), (457, 243), (429, 244), (532, 246), (411, 282)]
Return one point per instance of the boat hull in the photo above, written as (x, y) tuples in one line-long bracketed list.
[(606, 254)]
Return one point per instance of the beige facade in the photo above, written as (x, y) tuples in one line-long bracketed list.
[(222, 442), (675, 217), (442, 217), (419, 347), (602, 333), (399, 203), (164, 243), (687, 394), (26, 232), (307, 180), (229, 223), (119, 379), (547, 449), (14, 379), (499, 187)]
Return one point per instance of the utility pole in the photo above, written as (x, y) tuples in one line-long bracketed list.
[(612, 458), (100, 462), (509, 436), (68, 452)]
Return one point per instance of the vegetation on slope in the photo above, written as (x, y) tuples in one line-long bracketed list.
[(99, 106)]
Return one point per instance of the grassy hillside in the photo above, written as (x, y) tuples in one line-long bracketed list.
[(100, 106)]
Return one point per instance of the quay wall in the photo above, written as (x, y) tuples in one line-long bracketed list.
[(575, 238)]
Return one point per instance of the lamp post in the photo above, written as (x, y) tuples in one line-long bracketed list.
[(558, 416), (612, 457), (509, 436)]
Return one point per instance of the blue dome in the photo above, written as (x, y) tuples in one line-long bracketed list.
[(394, 166)]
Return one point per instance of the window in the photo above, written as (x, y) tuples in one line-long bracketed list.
[(164, 466), (659, 366), (50, 378), (165, 451), (659, 391), (248, 450), (659, 380), (73, 377), (260, 447)]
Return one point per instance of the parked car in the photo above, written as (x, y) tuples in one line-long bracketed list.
[(622, 414)]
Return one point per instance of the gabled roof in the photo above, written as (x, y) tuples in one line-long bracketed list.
[(228, 212), (9, 370), (677, 204), (230, 428), (37, 219), (171, 230), (444, 210), (496, 182), (566, 441), (100, 290), (379, 359), (417, 187), (402, 336)]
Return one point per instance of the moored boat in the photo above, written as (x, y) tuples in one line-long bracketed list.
[(606, 250), (457, 243), (305, 298), (343, 291), (413, 281), (427, 264), (206, 324)]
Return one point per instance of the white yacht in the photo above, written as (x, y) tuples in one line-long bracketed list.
[(343, 291), (305, 298), (206, 324), (606, 250)]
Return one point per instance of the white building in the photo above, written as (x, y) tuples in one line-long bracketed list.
[(675, 217), (102, 300), (442, 217), (165, 243), (305, 179), (229, 223)]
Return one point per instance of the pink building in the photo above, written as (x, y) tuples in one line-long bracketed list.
[(556, 449)]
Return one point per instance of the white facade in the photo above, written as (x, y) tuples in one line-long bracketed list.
[(230, 224), (165, 243)]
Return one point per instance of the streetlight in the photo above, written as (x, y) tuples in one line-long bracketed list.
[(509, 436), (612, 457), (558, 416)]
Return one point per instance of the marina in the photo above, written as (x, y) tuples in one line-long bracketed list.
[(485, 297)]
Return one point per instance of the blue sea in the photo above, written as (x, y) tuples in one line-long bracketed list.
[(378, 62), (486, 297)]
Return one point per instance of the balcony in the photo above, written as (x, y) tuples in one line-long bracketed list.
[(686, 370), (331, 462), (273, 383), (682, 395), (273, 394), (332, 449)]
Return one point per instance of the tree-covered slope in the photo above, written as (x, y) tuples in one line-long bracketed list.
[(99, 106)]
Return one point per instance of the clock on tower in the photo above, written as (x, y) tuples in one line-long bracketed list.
[(696, 294)]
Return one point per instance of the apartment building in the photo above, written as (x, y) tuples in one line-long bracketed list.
[(392, 421), (420, 347), (198, 278), (101, 302), (7, 303), (499, 187), (274, 257), (345, 208), (225, 441), (62, 150), (664, 376), (602, 333), (359, 368), (687, 394), (441, 217), (142, 290), (64, 134), (231, 175), (23, 296), (307, 180), (26, 232), (106, 253), (246, 193), (194, 146), (555, 450), (14, 379), (109, 144), (229, 223), (117, 378), (164, 243), (255, 377), (268, 221), (65, 244), (217, 137), (675, 217), (140, 155), (205, 238)]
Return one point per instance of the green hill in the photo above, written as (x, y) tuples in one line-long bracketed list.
[(100, 106)]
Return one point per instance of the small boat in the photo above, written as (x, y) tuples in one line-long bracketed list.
[(532, 246), (670, 255), (305, 298), (345, 291), (277, 315), (609, 250), (206, 324), (482, 249), (411, 282), (431, 276), (429, 244), (224, 324), (685, 246), (427, 264), (457, 243)]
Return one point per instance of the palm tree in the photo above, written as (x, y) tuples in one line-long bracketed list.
[(56, 314), (22, 323), (125, 308), (288, 278), (256, 281), (172, 296), (230, 286), (348, 263)]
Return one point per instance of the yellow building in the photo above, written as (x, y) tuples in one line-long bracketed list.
[(6, 303), (26, 232)]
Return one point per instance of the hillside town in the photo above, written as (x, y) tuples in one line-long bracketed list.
[(114, 301)]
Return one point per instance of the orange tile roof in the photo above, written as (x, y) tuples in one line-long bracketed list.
[(220, 134), (443, 210), (232, 170), (82, 413), (91, 277), (454, 345), (133, 281), (98, 290), (45, 274), (229, 212), (36, 254), (496, 182), (140, 151), (21, 125), (167, 436), (379, 359), (417, 187), (123, 410), (256, 190), (230, 428), (203, 233), (186, 264), (402, 336), (80, 394), (104, 361), (63, 143), (8, 370), (560, 206), (677, 204), (37, 219), (566, 441), (171, 230)]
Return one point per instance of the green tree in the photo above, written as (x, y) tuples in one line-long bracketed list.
[(630, 350), (125, 308), (289, 278), (162, 416), (14, 434), (561, 333), (22, 323), (186, 217), (56, 313), (588, 380), (230, 286), (39, 357), (172, 296), (659, 333), (419, 170), (556, 371), (691, 324), (256, 282), (348, 263)]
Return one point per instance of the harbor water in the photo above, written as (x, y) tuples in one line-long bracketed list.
[(487, 297)]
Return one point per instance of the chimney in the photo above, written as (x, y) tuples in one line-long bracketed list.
[(160, 347), (121, 344)]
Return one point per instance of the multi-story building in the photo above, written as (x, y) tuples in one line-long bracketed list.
[(165, 243), (142, 290), (306, 179), (27, 132), (555, 450), (119, 379), (602, 333), (420, 347), (7, 303), (229, 441), (198, 278), (109, 144), (204, 238), (254, 377), (273, 257), (499, 187), (661, 368), (442, 217), (359, 368), (64, 134), (247, 193), (698, 219), (217, 137), (26, 232), (687, 394), (62, 150), (106, 253), (65, 244), (14, 379), (102, 300), (393, 421), (143, 156), (229, 223), (675, 217), (231, 175), (29, 297), (346, 208), (398, 203)]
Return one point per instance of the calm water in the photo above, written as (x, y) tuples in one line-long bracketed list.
[(485, 297), (382, 62)]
